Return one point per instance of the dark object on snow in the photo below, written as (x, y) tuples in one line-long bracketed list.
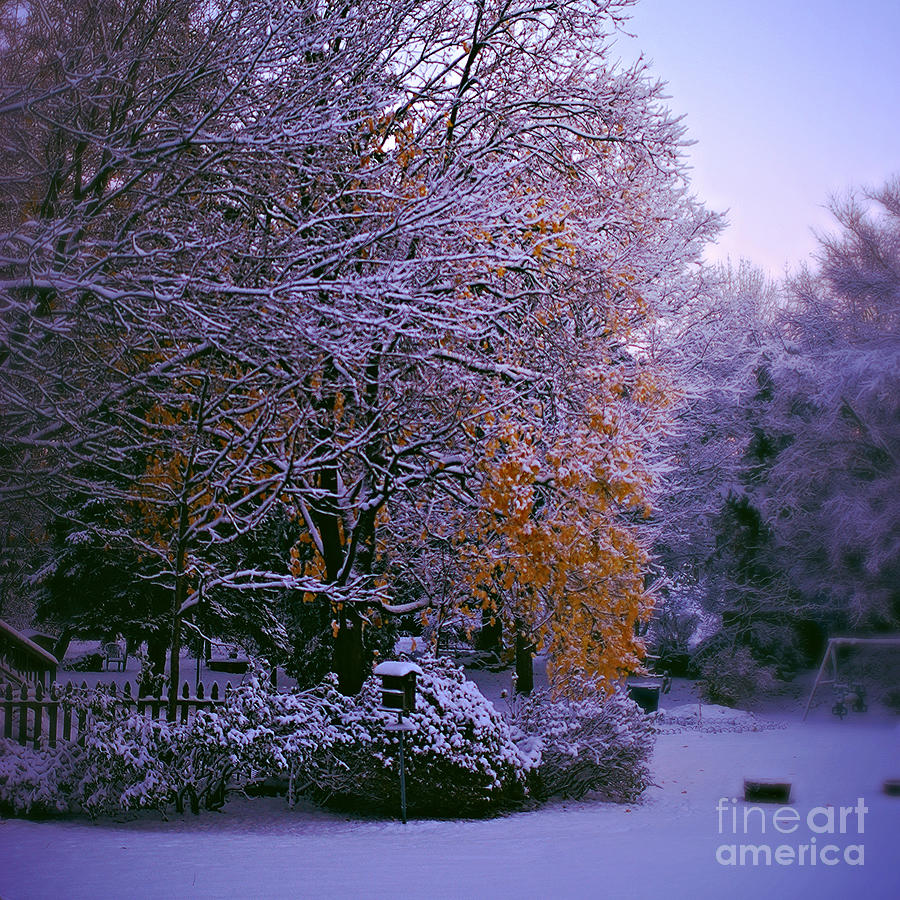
[(227, 659), (273, 786), (892, 787), (232, 666), (676, 664), (480, 659), (87, 662), (767, 791), (646, 696)]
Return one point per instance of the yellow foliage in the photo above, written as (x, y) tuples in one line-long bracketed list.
[(552, 544)]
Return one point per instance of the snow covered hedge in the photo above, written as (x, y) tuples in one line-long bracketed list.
[(31, 782), (731, 676), (572, 747), (462, 757), (257, 733), (128, 761), (124, 762)]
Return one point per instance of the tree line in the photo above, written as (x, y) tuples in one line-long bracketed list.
[(320, 316)]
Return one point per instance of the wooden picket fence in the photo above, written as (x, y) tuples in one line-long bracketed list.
[(32, 714)]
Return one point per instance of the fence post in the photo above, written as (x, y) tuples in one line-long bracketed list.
[(67, 712), (23, 715), (67, 719), (38, 714), (8, 712), (53, 714), (156, 704), (82, 718)]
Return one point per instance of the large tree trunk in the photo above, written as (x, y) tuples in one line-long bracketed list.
[(62, 643), (348, 652), (175, 647), (524, 663), (157, 648), (491, 635), (178, 598)]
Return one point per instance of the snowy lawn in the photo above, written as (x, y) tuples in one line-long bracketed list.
[(664, 847)]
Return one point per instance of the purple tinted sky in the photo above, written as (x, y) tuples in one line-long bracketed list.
[(789, 101)]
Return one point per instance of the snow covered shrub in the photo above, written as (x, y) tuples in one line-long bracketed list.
[(731, 676), (256, 733), (460, 757), (573, 747), (123, 762), (126, 761), (32, 782)]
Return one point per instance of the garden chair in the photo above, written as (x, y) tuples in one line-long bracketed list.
[(114, 655)]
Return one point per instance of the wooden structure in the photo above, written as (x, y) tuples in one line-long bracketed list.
[(31, 715), (22, 661), (766, 791), (829, 665), (114, 655)]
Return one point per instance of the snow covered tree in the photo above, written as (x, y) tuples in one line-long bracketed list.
[(151, 260), (721, 346), (831, 494), (782, 513), (257, 253), (716, 347), (595, 241)]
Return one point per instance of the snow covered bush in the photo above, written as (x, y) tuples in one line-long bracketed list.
[(460, 756), (124, 761), (731, 676), (257, 733), (572, 747), (32, 782), (127, 761)]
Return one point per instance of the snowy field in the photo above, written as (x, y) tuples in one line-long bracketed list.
[(665, 846)]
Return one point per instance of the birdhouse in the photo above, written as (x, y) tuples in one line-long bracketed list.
[(398, 685)]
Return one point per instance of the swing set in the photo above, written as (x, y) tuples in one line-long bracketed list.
[(847, 695)]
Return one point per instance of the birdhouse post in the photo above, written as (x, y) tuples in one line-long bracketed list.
[(398, 694)]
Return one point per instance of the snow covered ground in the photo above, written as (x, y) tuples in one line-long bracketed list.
[(664, 847)]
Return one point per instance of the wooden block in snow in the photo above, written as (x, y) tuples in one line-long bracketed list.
[(765, 791)]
